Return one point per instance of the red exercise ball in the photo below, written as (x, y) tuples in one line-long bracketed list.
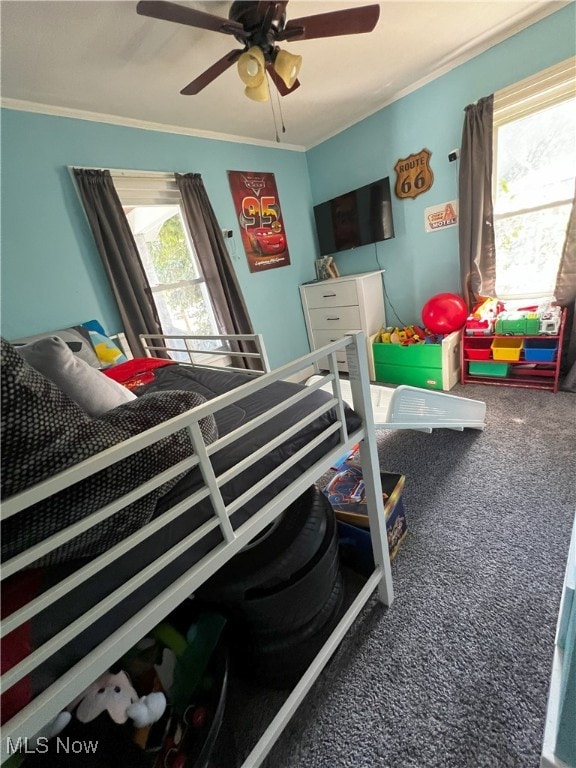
[(444, 313)]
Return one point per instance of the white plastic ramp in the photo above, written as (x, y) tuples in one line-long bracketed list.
[(414, 408)]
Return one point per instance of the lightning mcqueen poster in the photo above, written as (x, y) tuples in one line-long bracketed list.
[(258, 209)]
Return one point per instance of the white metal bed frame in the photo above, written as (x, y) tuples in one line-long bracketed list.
[(32, 719), (213, 358)]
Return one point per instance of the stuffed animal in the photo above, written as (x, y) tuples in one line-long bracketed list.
[(97, 730)]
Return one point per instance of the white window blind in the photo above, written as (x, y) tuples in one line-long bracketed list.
[(146, 188)]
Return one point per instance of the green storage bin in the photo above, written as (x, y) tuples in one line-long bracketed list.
[(429, 378), (477, 368), (431, 366), (418, 365), (423, 355)]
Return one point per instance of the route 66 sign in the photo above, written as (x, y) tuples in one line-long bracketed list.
[(413, 174)]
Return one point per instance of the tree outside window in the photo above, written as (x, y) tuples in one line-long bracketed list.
[(172, 269), (535, 158)]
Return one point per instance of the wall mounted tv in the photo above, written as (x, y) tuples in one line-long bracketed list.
[(356, 218)]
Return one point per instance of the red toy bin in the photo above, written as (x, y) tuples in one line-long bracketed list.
[(478, 348)]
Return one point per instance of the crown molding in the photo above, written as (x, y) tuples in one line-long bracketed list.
[(458, 57), (128, 122)]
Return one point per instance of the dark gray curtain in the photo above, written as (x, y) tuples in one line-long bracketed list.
[(565, 293), (119, 254), (476, 228), (229, 307)]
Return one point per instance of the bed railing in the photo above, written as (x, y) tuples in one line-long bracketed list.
[(33, 718), (218, 351)]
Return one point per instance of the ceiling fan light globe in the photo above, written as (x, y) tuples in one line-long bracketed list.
[(252, 67), (259, 93), (287, 66)]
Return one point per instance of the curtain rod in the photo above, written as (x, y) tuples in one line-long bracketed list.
[(126, 172)]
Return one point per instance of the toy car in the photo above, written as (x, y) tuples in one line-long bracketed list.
[(550, 321), (476, 327)]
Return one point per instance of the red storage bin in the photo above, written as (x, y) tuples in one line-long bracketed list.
[(478, 349)]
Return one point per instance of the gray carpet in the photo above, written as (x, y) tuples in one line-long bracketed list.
[(455, 674)]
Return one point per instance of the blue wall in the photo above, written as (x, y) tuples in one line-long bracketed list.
[(419, 264), (52, 276), (51, 271)]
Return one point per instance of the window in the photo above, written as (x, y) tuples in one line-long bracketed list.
[(152, 205), (534, 179)]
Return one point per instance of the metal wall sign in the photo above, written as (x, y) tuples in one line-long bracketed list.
[(413, 174), (441, 216)]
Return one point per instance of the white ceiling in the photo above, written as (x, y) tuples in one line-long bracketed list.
[(101, 60)]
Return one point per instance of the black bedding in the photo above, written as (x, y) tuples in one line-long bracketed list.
[(209, 384)]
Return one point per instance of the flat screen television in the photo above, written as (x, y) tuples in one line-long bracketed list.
[(356, 218)]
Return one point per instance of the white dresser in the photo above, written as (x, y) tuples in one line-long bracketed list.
[(335, 307)]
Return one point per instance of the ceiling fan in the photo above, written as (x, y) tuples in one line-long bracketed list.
[(259, 25)]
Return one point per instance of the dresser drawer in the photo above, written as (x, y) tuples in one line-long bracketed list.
[(339, 318), (341, 365), (343, 294), (321, 338), (342, 362)]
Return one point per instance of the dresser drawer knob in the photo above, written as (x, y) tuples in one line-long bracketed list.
[(328, 295), (332, 318)]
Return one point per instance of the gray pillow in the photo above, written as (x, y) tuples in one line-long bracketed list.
[(92, 390), (76, 337)]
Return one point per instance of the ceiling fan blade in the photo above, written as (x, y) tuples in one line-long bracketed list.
[(283, 89), (158, 9), (211, 73), (350, 21)]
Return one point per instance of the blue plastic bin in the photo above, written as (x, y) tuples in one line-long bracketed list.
[(540, 350)]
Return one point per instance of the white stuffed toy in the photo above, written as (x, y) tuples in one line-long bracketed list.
[(108, 713), (114, 694)]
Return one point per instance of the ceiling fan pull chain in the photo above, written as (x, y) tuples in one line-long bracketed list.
[(274, 118), (280, 110)]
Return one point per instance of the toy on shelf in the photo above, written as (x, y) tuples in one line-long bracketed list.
[(481, 321), (492, 317), (517, 323), (550, 320)]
